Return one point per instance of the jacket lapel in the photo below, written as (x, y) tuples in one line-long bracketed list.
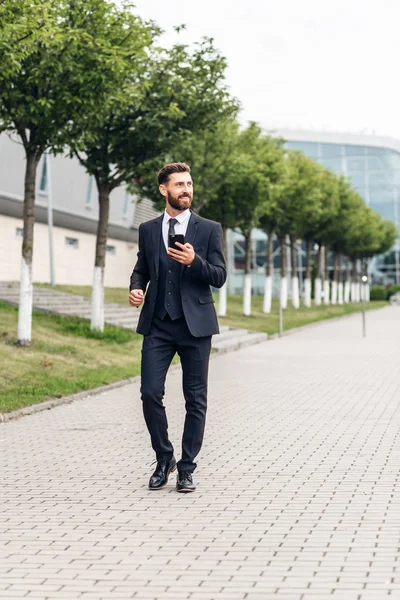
[(190, 233), (156, 239), (191, 229)]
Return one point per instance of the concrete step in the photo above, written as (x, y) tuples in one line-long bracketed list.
[(230, 333), (234, 343)]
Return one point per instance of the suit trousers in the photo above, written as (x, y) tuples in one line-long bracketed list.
[(164, 340)]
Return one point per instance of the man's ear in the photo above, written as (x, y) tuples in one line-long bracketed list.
[(163, 190)]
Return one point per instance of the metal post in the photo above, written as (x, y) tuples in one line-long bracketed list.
[(280, 317), (50, 217), (363, 291)]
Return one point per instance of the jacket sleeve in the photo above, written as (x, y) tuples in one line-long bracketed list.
[(212, 270), (141, 273)]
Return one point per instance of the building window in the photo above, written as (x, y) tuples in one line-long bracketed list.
[(19, 232), (43, 178), (88, 200), (111, 250), (72, 242)]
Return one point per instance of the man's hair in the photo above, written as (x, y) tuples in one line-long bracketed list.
[(178, 167)]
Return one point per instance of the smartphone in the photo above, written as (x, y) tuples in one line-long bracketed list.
[(178, 237)]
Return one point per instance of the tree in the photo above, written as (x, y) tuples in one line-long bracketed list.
[(329, 189), (255, 168), (300, 208), (269, 223), (163, 96), (340, 232), (51, 85)]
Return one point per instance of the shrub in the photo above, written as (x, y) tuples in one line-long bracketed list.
[(378, 292), (392, 290)]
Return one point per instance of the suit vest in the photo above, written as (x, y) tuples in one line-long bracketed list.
[(169, 287)]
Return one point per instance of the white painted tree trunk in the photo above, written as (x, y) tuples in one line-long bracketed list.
[(334, 292), (340, 293), (347, 292), (307, 293), (359, 291), (326, 291), (267, 294), (283, 293), (318, 291), (295, 292), (222, 300), (367, 293), (355, 292), (247, 295), (97, 320), (25, 304)]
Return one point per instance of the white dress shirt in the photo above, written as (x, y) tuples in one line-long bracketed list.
[(180, 227)]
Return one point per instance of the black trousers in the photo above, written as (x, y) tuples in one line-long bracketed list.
[(165, 339)]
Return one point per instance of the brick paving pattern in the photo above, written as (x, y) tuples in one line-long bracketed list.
[(298, 492)]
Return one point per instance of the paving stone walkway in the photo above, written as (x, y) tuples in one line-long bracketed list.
[(298, 482)]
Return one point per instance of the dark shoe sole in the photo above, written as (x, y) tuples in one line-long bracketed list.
[(185, 490), (161, 487)]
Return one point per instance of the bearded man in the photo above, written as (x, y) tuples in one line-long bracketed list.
[(178, 316)]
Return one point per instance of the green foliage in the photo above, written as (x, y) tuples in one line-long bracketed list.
[(378, 292), (393, 289), (77, 326), (81, 327), (62, 71), (164, 97)]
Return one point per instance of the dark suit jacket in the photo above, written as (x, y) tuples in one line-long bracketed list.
[(208, 269)]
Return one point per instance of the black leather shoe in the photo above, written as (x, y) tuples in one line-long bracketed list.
[(160, 476), (184, 482)]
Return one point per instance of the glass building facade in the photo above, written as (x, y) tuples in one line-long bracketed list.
[(373, 166), (374, 172)]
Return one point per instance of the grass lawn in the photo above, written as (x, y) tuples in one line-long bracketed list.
[(292, 318), (66, 357), (62, 359), (258, 321)]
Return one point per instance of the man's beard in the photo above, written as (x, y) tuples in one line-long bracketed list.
[(179, 203)]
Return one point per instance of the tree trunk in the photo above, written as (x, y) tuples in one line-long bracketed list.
[(247, 276), (26, 286), (347, 282), (307, 281), (97, 320), (295, 279), (318, 284), (326, 276), (340, 279), (223, 291), (334, 289), (269, 275), (283, 291)]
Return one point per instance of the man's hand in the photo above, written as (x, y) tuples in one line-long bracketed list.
[(136, 297), (184, 256)]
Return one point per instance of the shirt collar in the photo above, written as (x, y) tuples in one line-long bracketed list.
[(181, 218)]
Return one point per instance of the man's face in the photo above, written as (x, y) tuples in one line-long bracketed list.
[(178, 191)]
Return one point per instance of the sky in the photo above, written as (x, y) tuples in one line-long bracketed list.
[(329, 65)]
